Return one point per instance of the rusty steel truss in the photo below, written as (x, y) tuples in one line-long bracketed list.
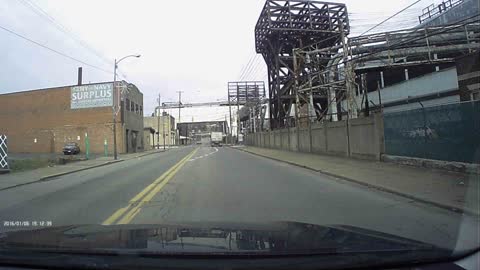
[(245, 93), (287, 25)]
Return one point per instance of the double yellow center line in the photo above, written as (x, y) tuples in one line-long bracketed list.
[(126, 214)]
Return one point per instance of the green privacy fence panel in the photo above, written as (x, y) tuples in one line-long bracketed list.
[(447, 132)]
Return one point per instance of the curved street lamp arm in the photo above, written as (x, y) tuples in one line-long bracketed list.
[(132, 55)]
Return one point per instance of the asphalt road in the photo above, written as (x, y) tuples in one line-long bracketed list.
[(205, 184)]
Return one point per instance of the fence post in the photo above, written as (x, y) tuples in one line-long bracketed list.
[(424, 130), (274, 141), (4, 154), (310, 146), (288, 134), (325, 132), (347, 132), (379, 134)]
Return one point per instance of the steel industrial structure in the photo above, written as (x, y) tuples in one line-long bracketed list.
[(285, 25), (176, 105), (366, 63), (314, 66), (434, 10), (247, 93), (251, 94)]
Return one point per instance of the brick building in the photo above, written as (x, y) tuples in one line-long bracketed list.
[(158, 127), (42, 121)]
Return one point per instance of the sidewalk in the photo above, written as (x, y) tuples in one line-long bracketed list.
[(449, 190), (12, 180)]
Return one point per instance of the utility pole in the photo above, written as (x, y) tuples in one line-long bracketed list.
[(163, 128), (158, 123), (254, 121), (238, 114), (179, 114), (230, 132), (225, 125), (297, 97), (179, 104), (238, 126), (114, 110)]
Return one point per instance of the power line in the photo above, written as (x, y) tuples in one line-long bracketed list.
[(252, 54), (255, 70), (445, 29), (247, 72), (53, 50), (45, 15), (249, 65), (370, 29), (382, 22), (42, 13), (262, 75)]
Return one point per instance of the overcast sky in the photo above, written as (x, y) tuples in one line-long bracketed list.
[(189, 45)]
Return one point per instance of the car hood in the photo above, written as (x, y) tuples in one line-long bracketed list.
[(279, 238)]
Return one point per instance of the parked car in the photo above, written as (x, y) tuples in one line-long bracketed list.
[(71, 148)]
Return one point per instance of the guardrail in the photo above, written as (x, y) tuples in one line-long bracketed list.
[(432, 10)]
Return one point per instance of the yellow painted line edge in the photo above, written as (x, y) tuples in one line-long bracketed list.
[(115, 216), (140, 195), (136, 209)]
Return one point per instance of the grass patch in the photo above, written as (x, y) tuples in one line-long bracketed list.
[(20, 165)]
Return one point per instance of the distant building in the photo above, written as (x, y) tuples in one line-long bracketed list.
[(195, 131), (148, 136), (159, 128), (42, 121)]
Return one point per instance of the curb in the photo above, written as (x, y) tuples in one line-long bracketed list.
[(48, 177), (449, 166), (439, 205), (148, 154)]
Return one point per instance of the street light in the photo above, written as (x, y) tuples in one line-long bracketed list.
[(115, 112)]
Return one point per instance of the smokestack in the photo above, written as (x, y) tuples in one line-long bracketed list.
[(80, 76)]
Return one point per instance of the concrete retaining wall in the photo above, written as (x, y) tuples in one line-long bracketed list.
[(359, 138), (337, 138)]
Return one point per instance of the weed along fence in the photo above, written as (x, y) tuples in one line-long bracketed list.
[(359, 138)]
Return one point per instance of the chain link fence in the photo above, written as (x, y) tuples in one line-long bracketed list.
[(3, 154)]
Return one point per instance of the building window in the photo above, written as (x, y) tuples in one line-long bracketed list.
[(128, 105), (136, 108), (141, 110), (476, 96), (132, 106)]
